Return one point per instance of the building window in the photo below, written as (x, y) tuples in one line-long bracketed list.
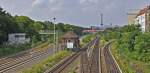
[(18, 36)]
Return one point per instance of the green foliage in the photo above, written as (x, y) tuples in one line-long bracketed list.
[(26, 25), (12, 49), (132, 49), (130, 28), (142, 46), (38, 25), (131, 40), (63, 27), (121, 60), (23, 24), (67, 27), (87, 38), (7, 25)]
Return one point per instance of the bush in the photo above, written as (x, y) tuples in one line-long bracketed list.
[(142, 46), (87, 38), (131, 48), (12, 49)]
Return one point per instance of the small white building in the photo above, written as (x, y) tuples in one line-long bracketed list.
[(17, 38)]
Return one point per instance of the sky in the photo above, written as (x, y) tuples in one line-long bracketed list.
[(77, 12)]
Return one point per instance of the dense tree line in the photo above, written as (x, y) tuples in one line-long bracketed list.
[(7, 25), (131, 42), (24, 24)]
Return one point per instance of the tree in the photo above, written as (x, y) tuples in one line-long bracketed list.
[(48, 25), (7, 25), (130, 28), (24, 23), (30, 27), (142, 47), (38, 25), (60, 26)]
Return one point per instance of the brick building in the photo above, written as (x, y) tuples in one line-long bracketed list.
[(71, 41)]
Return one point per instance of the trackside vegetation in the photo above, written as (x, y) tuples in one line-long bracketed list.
[(131, 48), (23, 24), (48, 63), (11, 49), (87, 38)]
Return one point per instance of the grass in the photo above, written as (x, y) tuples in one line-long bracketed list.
[(42, 46), (6, 50), (75, 67), (72, 71), (102, 42), (87, 39), (48, 63), (123, 63), (127, 64)]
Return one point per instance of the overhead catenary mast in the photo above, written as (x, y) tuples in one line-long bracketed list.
[(54, 35)]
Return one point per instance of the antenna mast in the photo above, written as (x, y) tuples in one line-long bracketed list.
[(101, 19)]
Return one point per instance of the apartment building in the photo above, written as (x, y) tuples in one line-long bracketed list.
[(143, 18), (132, 13)]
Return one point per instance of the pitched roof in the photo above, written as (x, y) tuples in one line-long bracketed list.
[(143, 11), (70, 34)]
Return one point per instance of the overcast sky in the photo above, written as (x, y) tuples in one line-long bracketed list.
[(78, 12)]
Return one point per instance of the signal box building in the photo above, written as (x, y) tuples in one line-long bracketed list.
[(70, 41)]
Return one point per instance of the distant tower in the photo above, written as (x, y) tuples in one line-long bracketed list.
[(111, 24), (101, 19)]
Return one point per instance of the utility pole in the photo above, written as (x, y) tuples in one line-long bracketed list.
[(54, 35), (111, 24), (57, 43)]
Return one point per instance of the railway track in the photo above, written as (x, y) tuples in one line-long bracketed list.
[(84, 63), (59, 68), (13, 57), (11, 63), (90, 63), (95, 60), (110, 63)]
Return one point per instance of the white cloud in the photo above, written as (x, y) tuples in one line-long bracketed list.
[(82, 1), (88, 1), (93, 1), (57, 7), (37, 2), (52, 1), (73, 11), (52, 5), (110, 6)]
